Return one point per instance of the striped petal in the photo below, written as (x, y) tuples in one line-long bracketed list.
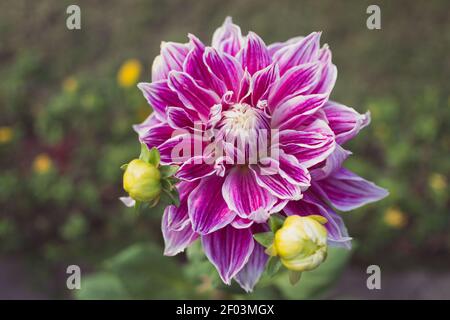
[(228, 249)]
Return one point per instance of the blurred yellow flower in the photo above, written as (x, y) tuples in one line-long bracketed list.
[(395, 218), (437, 182), (42, 163), (129, 73), (70, 84), (6, 134)]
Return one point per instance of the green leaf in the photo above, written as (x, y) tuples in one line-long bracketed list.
[(154, 157), (168, 171), (166, 185), (276, 222), (294, 277), (273, 266), (145, 153), (316, 283), (173, 196), (264, 238)]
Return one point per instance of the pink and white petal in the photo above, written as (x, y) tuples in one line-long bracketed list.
[(293, 171), (191, 94), (276, 184), (251, 272), (171, 58), (228, 38), (309, 205), (304, 51), (180, 118), (159, 96), (328, 72), (179, 148), (241, 223), (148, 123), (311, 146), (225, 67), (345, 121), (243, 195), (280, 46), (208, 210), (254, 55), (297, 81), (228, 249), (261, 82), (295, 112), (245, 88), (195, 168), (175, 241), (195, 66), (347, 191), (330, 164), (156, 135), (279, 206)]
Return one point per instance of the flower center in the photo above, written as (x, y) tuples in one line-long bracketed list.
[(240, 119)]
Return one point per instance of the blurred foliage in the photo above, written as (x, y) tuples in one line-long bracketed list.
[(67, 106), (135, 273)]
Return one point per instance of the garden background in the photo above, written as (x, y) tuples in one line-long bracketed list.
[(68, 100)]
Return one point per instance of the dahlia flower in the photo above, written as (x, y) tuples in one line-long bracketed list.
[(205, 98)]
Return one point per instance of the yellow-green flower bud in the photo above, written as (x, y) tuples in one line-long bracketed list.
[(301, 243), (142, 180)]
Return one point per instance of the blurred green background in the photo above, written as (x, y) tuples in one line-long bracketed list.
[(68, 100)]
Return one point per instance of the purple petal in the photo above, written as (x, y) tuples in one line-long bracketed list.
[(347, 191), (296, 111), (300, 52), (310, 204), (177, 217), (208, 210), (179, 148), (241, 223), (282, 46), (156, 135), (224, 67), (295, 82), (179, 118), (331, 164), (147, 124), (228, 38), (171, 58), (243, 195), (195, 66), (261, 81), (253, 269), (311, 146), (191, 94), (245, 87), (195, 168), (293, 171), (328, 72), (175, 241), (345, 121), (254, 55), (159, 96), (228, 249), (276, 184)]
